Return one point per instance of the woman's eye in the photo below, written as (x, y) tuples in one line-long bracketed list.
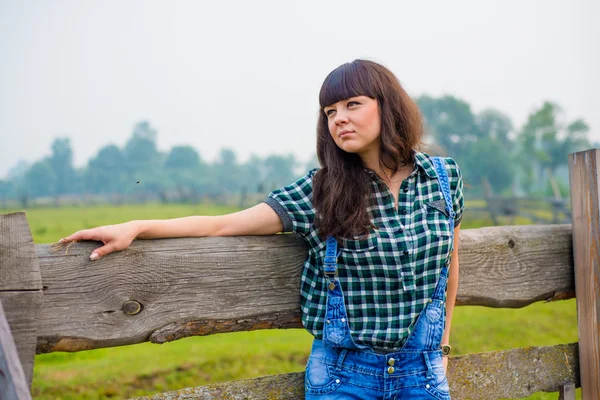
[(329, 113), (353, 103)]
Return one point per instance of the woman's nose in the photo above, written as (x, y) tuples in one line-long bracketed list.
[(340, 118)]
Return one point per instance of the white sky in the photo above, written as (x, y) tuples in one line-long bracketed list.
[(246, 74)]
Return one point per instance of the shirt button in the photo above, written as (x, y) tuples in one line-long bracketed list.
[(405, 252), (391, 361), (406, 190), (390, 370), (404, 212)]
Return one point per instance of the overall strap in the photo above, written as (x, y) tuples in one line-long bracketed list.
[(331, 255), (440, 169)]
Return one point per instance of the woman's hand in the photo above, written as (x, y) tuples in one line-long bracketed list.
[(114, 237)]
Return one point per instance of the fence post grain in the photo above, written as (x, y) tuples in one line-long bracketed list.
[(20, 286), (585, 193)]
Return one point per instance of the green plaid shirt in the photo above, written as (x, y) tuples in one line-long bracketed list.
[(388, 277)]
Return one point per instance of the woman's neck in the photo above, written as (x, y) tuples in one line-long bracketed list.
[(371, 161), (388, 176)]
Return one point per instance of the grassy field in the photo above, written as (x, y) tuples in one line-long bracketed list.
[(145, 369)]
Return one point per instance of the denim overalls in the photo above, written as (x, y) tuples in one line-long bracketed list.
[(338, 368)]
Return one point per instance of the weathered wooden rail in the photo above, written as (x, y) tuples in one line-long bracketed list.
[(163, 290)]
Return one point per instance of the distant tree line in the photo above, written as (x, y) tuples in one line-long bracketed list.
[(486, 145), (140, 172)]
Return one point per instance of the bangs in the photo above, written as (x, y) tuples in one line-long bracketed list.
[(347, 80)]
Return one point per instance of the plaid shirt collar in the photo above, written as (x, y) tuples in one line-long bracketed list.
[(423, 163)]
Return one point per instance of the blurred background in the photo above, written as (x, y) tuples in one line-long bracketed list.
[(112, 111)]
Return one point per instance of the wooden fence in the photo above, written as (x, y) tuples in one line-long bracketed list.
[(538, 211), (554, 210), (167, 289)]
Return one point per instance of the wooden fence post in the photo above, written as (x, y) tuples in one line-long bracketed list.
[(20, 286), (13, 385), (584, 168)]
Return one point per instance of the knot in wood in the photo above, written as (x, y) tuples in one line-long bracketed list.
[(132, 307), (511, 243)]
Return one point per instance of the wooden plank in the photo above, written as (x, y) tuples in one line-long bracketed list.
[(513, 373), (484, 376), (514, 266), (200, 286), (21, 309), (20, 286), (184, 286), (13, 384), (584, 178), (281, 386), (16, 249)]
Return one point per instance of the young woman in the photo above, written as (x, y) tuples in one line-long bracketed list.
[(381, 221)]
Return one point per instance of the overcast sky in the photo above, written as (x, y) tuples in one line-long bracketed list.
[(246, 74)]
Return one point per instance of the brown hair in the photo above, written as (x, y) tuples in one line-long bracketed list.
[(342, 188)]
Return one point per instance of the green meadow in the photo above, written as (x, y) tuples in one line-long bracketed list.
[(146, 369)]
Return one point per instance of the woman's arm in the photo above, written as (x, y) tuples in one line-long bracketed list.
[(257, 220), (452, 287)]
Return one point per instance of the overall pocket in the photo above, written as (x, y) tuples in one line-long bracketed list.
[(320, 378), (336, 325), (434, 311), (438, 386), (334, 331)]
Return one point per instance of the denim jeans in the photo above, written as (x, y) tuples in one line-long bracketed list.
[(336, 373)]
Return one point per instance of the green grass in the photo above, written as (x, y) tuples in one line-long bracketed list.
[(146, 369)]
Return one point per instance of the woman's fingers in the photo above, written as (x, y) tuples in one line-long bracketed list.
[(114, 237), (86, 234), (104, 250)]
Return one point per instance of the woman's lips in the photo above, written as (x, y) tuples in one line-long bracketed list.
[(345, 133)]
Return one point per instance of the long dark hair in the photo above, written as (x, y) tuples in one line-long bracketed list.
[(342, 188)]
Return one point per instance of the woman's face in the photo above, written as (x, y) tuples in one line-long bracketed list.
[(355, 125)]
